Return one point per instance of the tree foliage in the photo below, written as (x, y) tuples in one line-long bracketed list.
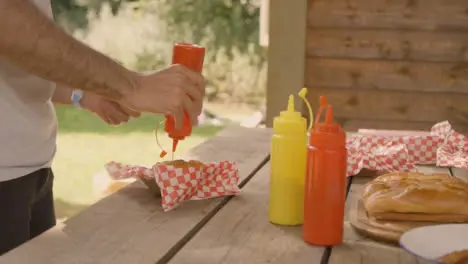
[(73, 14), (224, 24)]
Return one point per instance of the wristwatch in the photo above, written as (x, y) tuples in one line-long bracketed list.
[(76, 97)]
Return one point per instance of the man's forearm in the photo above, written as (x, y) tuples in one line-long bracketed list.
[(32, 41), (62, 95)]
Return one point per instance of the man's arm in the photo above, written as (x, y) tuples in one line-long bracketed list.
[(29, 39), (62, 95)]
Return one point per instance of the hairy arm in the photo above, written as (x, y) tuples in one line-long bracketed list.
[(62, 95), (29, 39)]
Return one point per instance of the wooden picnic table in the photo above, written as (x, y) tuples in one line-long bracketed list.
[(130, 226)]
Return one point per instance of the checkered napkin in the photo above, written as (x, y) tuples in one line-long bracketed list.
[(442, 146), (188, 183), (454, 150), (119, 171)]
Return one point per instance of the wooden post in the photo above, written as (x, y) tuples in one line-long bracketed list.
[(286, 54), (264, 20)]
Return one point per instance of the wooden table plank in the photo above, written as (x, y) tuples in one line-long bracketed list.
[(357, 249), (460, 173), (241, 233), (130, 226)]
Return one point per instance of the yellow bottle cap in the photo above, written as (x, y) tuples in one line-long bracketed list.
[(289, 121), (303, 94)]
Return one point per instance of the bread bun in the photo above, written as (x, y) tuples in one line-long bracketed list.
[(184, 164), (457, 257), (417, 197)]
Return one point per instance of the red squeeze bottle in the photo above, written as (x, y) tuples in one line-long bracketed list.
[(325, 186), (190, 56)]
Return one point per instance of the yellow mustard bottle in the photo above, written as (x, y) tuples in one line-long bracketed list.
[(288, 165)]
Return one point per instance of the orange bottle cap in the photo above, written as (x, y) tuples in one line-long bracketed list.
[(327, 134), (188, 55)]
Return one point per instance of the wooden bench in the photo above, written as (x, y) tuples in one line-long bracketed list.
[(130, 226)]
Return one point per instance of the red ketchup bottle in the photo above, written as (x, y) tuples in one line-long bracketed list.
[(325, 186), (190, 56)]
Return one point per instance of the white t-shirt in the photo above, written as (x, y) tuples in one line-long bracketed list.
[(28, 124)]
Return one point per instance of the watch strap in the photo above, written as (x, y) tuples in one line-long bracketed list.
[(76, 98)]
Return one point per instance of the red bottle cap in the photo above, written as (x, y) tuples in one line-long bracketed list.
[(190, 56), (327, 134)]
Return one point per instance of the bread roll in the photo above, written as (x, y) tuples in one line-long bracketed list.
[(457, 257), (417, 197), (184, 164)]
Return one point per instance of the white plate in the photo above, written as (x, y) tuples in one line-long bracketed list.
[(433, 242)]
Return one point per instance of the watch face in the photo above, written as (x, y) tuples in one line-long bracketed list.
[(76, 97)]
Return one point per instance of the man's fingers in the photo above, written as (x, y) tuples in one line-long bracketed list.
[(199, 107), (190, 87), (195, 92), (129, 111), (178, 118), (192, 92), (105, 118), (114, 121), (191, 110), (116, 114), (196, 78)]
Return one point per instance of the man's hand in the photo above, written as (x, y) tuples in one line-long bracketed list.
[(170, 91), (109, 111)]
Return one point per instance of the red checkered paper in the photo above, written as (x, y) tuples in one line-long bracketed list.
[(442, 146), (119, 171), (454, 151), (187, 183)]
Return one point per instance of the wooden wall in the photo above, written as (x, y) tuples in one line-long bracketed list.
[(393, 64)]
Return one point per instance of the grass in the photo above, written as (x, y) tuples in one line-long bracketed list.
[(86, 144)]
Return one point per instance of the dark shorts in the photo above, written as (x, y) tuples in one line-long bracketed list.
[(26, 208)]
